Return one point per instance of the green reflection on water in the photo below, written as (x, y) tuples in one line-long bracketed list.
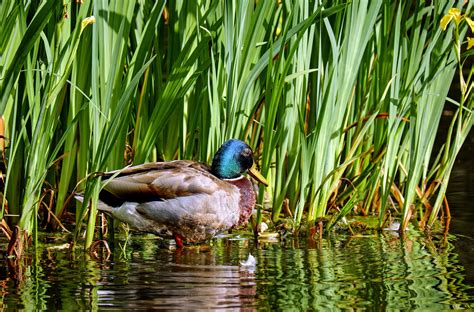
[(380, 271)]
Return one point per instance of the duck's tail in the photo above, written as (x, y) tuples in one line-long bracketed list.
[(100, 204)]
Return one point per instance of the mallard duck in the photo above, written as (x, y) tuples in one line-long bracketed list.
[(184, 199)]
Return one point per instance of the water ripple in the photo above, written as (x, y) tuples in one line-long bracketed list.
[(345, 273)]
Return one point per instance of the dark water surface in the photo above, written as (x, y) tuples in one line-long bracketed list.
[(460, 196), (372, 271)]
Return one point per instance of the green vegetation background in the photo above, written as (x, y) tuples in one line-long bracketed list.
[(341, 101)]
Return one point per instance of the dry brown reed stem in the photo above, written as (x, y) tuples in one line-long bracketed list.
[(379, 116), (48, 208)]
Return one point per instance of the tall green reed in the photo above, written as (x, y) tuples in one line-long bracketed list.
[(341, 101), (39, 95), (463, 119)]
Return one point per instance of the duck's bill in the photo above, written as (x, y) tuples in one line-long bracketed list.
[(254, 173)]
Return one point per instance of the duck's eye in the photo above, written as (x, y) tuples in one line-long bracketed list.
[(246, 152)]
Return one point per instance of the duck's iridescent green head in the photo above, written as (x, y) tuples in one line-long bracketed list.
[(233, 158)]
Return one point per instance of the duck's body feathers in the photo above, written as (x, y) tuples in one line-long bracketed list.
[(173, 198)]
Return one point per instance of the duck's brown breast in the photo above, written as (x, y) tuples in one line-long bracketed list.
[(247, 198)]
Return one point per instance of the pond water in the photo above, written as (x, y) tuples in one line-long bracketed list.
[(380, 271), (460, 195)]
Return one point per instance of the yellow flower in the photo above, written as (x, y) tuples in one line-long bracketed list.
[(452, 13), (470, 23), (87, 21), (470, 42), (456, 13)]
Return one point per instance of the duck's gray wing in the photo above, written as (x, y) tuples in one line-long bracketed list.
[(160, 181)]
